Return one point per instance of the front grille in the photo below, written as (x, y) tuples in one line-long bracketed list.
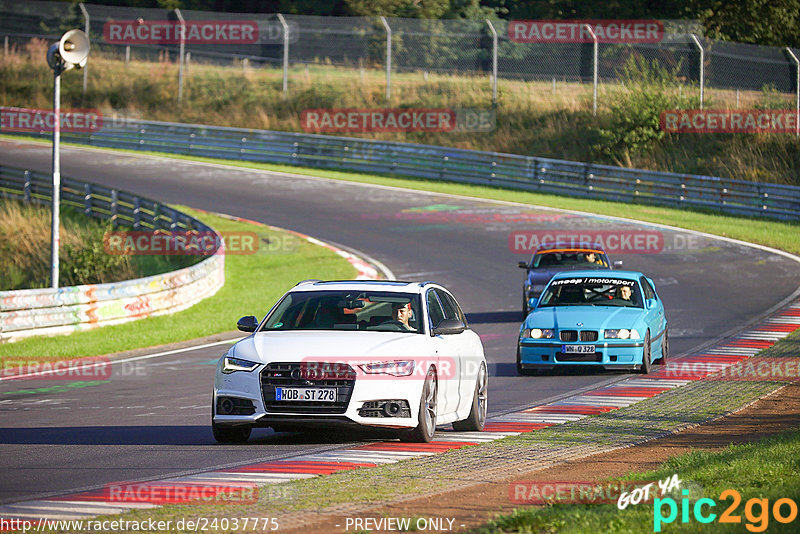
[(572, 335), (588, 335), (312, 374), (569, 335), (595, 357)]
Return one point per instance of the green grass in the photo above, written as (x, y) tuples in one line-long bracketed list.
[(531, 119), (777, 234), (750, 469), (780, 235), (252, 284), (25, 250), (765, 469)]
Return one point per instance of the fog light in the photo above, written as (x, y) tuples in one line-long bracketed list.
[(391, 409), (225, 406)]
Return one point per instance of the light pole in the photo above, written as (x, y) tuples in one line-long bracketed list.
[(71, 51)]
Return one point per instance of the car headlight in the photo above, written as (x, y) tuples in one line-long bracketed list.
[(231, 365), (621, 333), (538, 333), (394, 368)]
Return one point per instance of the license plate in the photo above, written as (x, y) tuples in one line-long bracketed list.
[(578, 349), (305, 394)]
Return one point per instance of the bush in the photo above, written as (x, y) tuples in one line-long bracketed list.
[(634, 121), (25, 250)]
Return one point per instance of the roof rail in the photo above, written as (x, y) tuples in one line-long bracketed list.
[(307, 281)]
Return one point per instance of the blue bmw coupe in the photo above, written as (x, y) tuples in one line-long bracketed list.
[(608, 319)]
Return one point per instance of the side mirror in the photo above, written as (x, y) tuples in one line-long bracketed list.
[(532, 302), (650, 303), (617, 264), (449, 326), (248, 323), (522, 264)]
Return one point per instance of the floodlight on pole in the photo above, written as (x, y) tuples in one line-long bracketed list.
[(70, 52)]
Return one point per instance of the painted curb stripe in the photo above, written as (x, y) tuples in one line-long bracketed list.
[(676, 373)]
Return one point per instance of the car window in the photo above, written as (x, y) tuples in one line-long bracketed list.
[(592, 291), (451, 308), (649, 293), (584, 258), (435, 311), (342, 310)]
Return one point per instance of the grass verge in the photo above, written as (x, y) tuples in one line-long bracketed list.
[(762, 470), (532, 118), (253, 282), (25, 250), (770, 472), (777, 234)]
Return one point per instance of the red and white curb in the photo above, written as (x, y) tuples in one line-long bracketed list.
[(679, 372)]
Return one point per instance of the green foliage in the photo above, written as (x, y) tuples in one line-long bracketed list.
[(86, 262), (771, 98), (633, 125), (25, 250)]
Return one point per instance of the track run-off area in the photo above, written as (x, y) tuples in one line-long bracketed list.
[(154, 424)]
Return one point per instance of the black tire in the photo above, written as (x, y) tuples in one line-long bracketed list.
[(646, 363), (477, 415), (424, 431), (664, 349), (227, 433), (520, 370), (231, 434)]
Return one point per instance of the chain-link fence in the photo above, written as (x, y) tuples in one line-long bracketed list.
[(732, 74)]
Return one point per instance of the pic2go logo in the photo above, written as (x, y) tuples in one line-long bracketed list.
[(756, 511)]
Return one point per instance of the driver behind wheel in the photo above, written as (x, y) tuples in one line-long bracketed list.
[(401, 313)]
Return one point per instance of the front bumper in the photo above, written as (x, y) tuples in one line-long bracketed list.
[(548, 354), (365, 389)]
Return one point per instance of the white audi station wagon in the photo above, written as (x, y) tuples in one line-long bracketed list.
[(383, 354)]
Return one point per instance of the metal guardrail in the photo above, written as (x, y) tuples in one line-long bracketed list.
[(51, 311), (585, 180)]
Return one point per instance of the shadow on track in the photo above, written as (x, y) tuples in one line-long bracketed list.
[(495, 317), (172, 435)]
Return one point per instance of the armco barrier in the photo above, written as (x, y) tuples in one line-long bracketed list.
[(30, 312), (543, 175)]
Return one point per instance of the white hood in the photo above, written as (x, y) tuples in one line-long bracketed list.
[(299, 345)]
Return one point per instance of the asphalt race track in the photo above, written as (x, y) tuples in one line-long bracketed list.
[(152, 419)]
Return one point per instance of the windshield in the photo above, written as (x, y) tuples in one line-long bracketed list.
[(346, 310), (592, 292), (583, 258)]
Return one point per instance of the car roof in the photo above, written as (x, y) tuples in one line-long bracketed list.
[(599, 273), (571, 246), (394, 286)]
